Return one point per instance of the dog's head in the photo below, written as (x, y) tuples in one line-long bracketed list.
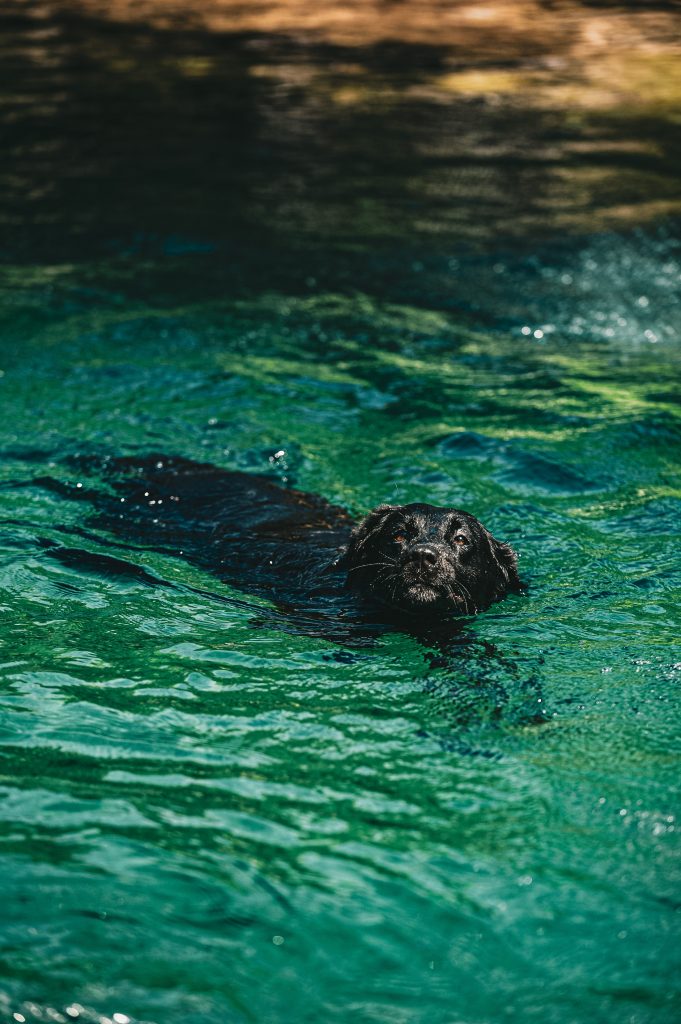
[(426, 560)]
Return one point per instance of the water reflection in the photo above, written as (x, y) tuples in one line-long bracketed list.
[(347, 127)]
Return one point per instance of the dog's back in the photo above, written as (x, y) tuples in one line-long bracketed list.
[(246, 529)]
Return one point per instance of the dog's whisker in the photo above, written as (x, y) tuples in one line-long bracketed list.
[(466, 594), (369, 565)]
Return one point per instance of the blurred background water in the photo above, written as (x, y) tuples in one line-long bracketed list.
[(404, 251)]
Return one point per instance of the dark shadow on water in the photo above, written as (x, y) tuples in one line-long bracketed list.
[(266, 160)]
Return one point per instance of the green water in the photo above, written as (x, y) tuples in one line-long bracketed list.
[(206, 821)]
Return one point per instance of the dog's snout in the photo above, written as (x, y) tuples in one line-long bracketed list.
[(423, 554)]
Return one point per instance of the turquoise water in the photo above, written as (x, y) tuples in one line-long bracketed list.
[(208, 820)]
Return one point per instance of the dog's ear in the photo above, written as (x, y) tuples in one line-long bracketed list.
[(506, 561), (364, 533)]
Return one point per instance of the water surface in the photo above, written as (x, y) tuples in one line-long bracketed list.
[(358, 267)]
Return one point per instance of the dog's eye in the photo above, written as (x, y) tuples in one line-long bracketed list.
[(460, 538), (400, 536)]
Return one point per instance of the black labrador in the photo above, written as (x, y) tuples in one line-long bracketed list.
[(418, 568), (413, 565)]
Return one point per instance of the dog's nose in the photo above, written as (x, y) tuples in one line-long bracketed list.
[(424, 554)]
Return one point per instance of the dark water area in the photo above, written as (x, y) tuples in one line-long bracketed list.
[(378, 252)]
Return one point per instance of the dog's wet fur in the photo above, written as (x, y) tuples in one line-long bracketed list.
[(426, 560), (413, 565)]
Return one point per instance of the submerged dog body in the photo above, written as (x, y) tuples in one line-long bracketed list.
[(418, 568), (413, 562)]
